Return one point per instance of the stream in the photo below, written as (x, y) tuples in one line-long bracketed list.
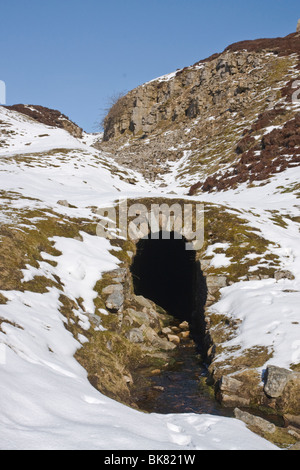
[(181, 387)]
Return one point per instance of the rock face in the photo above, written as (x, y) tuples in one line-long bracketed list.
[(184, 96), (211, 113), (50, 117), (298, 26)]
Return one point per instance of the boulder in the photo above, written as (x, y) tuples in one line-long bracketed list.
[(229, 392), (115, 301), (63, 202), (164, 344), (119, 274), (184, 335), (142, 318), (276, 380), (214, 283), (174, 339), (230, 385), (142, 301), (283, 386), (255, 421), (283, 275), (167, 330), (184, 326), (112, 288), (230, 401), (135, 335)]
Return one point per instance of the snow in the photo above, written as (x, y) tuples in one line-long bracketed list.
[(219, 259), (269, 311), (79, 274), (164, 78), (47, 401)]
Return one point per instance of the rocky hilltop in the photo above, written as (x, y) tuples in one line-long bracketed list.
[(227, 119), (49, 117)]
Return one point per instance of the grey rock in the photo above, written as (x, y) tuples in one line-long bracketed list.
[(164, 344), (150, 334), (255, 421), (230, 385), (298, 27), (214, 283), (229, 401), (115, 301), (112, 288), (120, 274), (277, 378), (157, 342), (283, 275), (205, 264), (142, 301), (166, 331), (141, 318), (63, 203), (94, 319), (135, 335), (254, 278)]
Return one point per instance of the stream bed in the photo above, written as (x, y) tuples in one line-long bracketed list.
[(181, 387)]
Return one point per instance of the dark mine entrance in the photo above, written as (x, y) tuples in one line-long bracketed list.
[(165, 272)]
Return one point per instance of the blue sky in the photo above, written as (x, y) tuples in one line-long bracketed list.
[(72, 55)]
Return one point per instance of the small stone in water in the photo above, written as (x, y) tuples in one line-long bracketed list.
[(184, 325)]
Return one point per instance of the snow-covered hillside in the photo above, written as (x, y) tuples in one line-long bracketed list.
[(46, 400)]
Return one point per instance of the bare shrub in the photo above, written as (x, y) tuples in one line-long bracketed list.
[(114, 105)]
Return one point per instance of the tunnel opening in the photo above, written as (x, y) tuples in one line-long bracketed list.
[(164, 271)]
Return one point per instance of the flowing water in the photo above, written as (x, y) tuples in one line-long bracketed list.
[(181, 388)]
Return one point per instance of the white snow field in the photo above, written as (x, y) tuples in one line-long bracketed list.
[(46, 400)]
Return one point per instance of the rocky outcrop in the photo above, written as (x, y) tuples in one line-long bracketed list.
[(185, 95), (227, 80), (210, 114), (49, 117)]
